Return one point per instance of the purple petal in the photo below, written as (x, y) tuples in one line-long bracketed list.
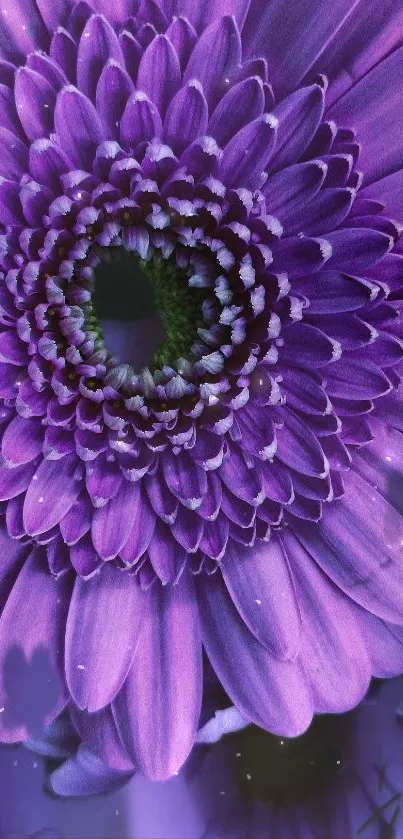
[(22, 441), (99, 733), (13, 156), (143, 524), (63, 51), (260, 584), (246, 154), (202, 14), (33, 622), (158, 708), (185, 479), (8, 114), (242, 104), (110, 530), (22, 29), (52, 491), (167, 557), (77, 522), (35, 101), (366, 108), (390, 191), (102, 632), (47, 162), (132, 52), (273, 32), (85, 774), (54, 13), (159, 73), (333, 651), (183, 37), (98, 44), (113, 90), (78, 127), (298, 118), (140, 122), (215, 538), (14, 481), (355, 249), (215, 58), (356, 379), (349, 545), (272, 693), (103, 480), (11, 213), (186, 117), (298, 447)]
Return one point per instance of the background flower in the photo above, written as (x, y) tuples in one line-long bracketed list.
[(234, 492)]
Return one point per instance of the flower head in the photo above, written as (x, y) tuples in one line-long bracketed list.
[(230, 487)]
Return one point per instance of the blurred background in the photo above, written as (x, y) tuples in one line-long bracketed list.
[(342, 779)]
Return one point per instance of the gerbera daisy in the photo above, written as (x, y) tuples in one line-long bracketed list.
[(230, 173)]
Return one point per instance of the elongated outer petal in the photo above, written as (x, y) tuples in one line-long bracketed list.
[(272, 693), (157, 711), (98, 44), (349, 544), (273, 31), (159, 72), (202, 14), (215, 58), (51, 493), (102, 631), (246, 154), (35, 101), (368, 108), (333, 651), (261, 587), (186, 118), (31, 648), (78, 127)]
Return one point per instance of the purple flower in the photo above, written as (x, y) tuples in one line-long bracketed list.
[(229, 488)]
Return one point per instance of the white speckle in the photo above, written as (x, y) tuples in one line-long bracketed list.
[(117, 812), (248, 777), (338, 762), (86, 34), (15, 762), (258, 602), (222, 792), (388, 458), (40, 500), (238, 754), (1, 710), (80, 667), (35, 764), (281, 742)]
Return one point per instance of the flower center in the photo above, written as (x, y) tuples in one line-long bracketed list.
[(145, 310)]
